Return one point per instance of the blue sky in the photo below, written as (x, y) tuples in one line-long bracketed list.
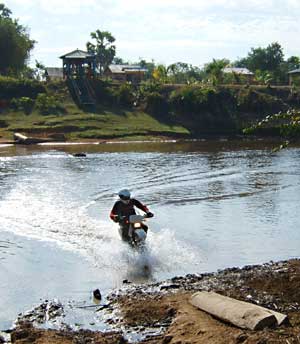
[(192, 31)]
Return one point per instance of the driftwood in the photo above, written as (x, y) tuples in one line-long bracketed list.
[(241, 314), (25, 140)]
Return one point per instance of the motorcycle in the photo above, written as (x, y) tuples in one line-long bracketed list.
[(134, 231)]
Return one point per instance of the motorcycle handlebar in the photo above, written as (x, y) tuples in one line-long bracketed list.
[(145, 216)]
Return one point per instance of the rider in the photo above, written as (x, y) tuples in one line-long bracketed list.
[(123, 208)]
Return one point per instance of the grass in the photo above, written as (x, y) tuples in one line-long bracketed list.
[(77, 124), (120, 123)]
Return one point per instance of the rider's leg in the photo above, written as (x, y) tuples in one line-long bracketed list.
[(124, 229)]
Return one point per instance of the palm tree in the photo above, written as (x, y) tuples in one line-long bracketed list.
[(104, 49)]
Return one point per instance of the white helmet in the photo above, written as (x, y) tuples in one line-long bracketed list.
[(124, 194)]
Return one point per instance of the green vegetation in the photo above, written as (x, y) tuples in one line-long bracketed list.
[(14, 88), (103, 48), (47, 105), (77, 124), (151, 109), (284, 124), (25, 104), (175, 100), (15, 44), (214, 71)]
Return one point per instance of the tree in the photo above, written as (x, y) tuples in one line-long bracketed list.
[(290, 64), (119, 61), (214, 70), (263, 77), (160, 74), (15, 44), (150, 66), (293, 62), (4, 11), (104, 49), (180, 73), (286, 124), (264, 59)]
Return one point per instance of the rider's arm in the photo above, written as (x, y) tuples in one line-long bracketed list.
[(139, 205), (114, 213)]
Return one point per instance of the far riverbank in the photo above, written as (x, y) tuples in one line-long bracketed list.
[(171, 111)]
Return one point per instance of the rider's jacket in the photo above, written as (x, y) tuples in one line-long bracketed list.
[(121, 209)]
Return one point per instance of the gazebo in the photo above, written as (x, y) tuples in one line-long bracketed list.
[(294, 75), (79, 64)]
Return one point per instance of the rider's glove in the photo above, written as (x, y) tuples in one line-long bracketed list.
[(149, 214), (117, 218)]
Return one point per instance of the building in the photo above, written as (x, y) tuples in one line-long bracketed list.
[(242, 73), (79, 67), (126, 73), (54, 73), (294, 76), (78, 63)]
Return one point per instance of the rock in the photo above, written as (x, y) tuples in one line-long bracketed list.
[(4, 337), (241, 338), (47, 311), (79, 155), (97, 294), (170, 286), (167, 339)]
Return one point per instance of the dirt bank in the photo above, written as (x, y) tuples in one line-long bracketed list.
[(160, 313)]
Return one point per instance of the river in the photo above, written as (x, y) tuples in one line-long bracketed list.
[(216, 205)]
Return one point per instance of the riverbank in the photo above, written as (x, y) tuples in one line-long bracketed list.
[(180, 111), (78, 125), (161, 312)]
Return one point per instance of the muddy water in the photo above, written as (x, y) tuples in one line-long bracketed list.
[(216, 204)]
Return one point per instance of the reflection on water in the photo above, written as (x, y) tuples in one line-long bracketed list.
[(215, 205)]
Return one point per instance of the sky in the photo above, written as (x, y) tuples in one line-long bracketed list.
[(168, 31)]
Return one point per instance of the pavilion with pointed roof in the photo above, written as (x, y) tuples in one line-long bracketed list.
[(78, 64)]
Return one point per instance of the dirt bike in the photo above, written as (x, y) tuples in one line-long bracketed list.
[(133, 230)]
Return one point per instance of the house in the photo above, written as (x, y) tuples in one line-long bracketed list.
[(123, 73), (240, 73), (294, 76), (54, 73)]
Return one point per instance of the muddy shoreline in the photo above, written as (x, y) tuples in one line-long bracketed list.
[(161, 313)]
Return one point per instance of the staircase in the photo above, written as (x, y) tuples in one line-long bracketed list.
[(82, 91)]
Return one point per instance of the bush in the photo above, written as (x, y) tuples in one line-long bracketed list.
[(48, 105), (149, 86), (156, 103), (285, 124), (296, 81), (103, 90), (17, 88), (192, 100), (125, 94), (25, 104), (253, 101)]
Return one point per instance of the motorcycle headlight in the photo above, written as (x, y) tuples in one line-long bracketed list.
[(137, 225)]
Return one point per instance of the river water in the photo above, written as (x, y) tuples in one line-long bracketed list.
[(216, 205)]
